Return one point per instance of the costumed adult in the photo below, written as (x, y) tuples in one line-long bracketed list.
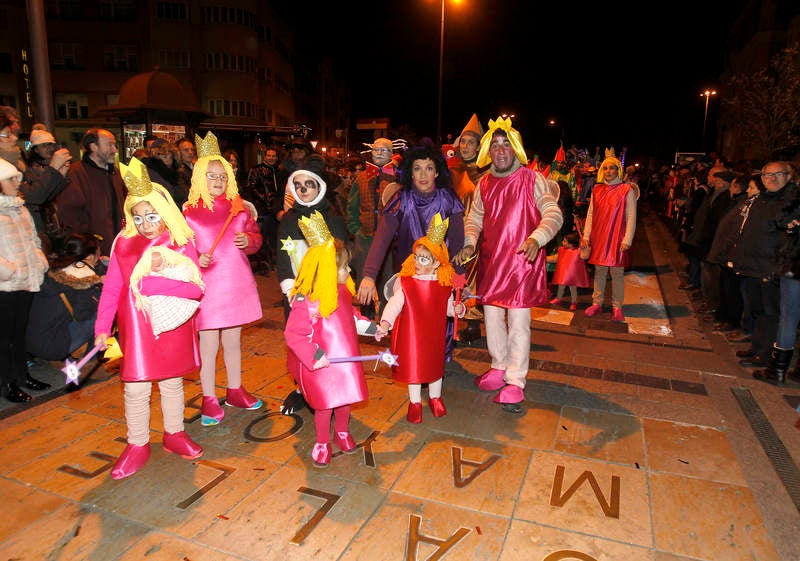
[(425, 189), (466, 174), (514, 215), (608, 233)]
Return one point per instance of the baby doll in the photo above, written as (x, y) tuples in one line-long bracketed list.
[(416, 313)]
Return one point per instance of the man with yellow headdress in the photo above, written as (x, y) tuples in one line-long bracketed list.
[(608, 233), (515, 214), (155, 235)]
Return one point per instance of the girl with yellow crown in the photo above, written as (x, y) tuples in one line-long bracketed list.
[(416, 313), (322, 324), (155, 238), (226, 233)]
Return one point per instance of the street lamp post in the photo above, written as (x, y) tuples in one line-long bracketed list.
[(441, 73), (706, 94)]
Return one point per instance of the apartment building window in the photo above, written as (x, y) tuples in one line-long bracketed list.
[(231, 108), (118, 10), (66, 56), (120, 58), (175, 59), (226, 61), (62, 9), (225, 14), (176, 11), (72, 106)]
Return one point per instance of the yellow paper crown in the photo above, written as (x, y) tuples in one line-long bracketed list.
[(136, 178), (208, 146), (513, 137), (315, 230), (437, 229)]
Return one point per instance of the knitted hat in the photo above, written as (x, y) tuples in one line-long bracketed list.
[(41, 137), (7, 170)]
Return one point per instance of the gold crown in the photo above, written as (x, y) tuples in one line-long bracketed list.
[(208, 146), (136, 178), (315, 230), (438, 229)]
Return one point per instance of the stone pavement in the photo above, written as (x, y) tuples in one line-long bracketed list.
[(637, 441)]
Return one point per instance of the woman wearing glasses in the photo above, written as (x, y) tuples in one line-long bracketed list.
[(226, 233)]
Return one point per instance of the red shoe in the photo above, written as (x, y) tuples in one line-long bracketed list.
[(241, 398), (617, 315), (132, 459), (414, 414), (437, 407), (180, 443), (321, 455), (592, 310), (210, 412), (491, 380), (344, 442), (509, 394), (555, 301), (573, 306)]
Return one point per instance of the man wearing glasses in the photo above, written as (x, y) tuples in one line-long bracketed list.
[(755, 257), (364, 206), (92, 200)]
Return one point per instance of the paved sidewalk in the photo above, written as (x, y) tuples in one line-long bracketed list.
[(637, 441)]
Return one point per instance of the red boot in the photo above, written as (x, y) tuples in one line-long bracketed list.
[(210, 412), (180, 443), (321, 455), (344, 442), (132, 459), (414, 414), (240, 397), (437, 407)]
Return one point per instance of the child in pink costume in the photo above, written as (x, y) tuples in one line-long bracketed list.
[(571, 271), (151, 220), (417, 315), (226, 232), (322, 323)]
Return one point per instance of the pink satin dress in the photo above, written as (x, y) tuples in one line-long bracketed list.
[(505, 277), (231, 296), (143, 353), (307, 331), (571, 270)]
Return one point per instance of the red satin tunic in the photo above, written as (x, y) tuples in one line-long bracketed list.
[(571, 270), (608, 225), (418, 333)]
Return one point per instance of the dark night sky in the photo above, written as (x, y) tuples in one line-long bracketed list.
[(611, 74)]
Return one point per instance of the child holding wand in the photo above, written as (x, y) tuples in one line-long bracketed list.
[(226, 233), (152, 221), (322, 323), (417, 315)]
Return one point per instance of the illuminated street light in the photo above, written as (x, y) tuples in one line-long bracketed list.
[(706, 94)]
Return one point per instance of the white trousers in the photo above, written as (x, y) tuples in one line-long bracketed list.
[(508, 337)]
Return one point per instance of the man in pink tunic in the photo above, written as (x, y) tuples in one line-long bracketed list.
[(517, 214)]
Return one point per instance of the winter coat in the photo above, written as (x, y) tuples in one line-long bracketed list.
[(22, 263)]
